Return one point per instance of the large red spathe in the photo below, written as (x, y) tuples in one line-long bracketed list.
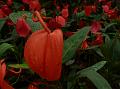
[(43, 53)]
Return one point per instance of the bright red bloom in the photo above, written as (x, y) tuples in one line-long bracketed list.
[(3, 83), (60, 20), (98, 40), (88, 10), (84, 44), (65, 13), (52, 24), (2, 72), (9, 2), (6, 9), (2, 14), (34, 5), (22, 28), (94, 8), (105, 8), (96, 26), (112, 13), (43, 52)]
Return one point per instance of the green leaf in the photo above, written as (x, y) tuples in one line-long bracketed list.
[(4, 47), (116, 49), (34, 25), (72, 43), (99, 81), (23, 66), (95, 67), (95, 77), (2, 22), (106, 48), (109, 25), (81, 14)]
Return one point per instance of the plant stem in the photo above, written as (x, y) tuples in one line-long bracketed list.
[(41, 21)]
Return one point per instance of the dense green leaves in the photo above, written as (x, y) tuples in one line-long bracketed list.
[(99, 81), (4, 47), (34, 25), (72, 43), (90, 72)]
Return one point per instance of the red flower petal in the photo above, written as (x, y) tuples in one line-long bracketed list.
[(52, 24), (98, 40), (9, 2), (22, 28), (96, 26), (6, 85), (65, 13), (60, 20), (34, 5), (94, 8), (84, 45), (88, 10), (105, 8), (6, 9), (43, 53), (2, 72), (2, 14)]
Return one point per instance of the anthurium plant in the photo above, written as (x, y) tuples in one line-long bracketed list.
[(59, 44)]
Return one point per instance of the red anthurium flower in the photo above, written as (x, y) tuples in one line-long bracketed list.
[(98, 40), (112, 13), (9, 2), (109, 3), (2, 72), (60, 20), (22, 28), (34, 5), (88, 10), (3, 83), (65, 13), (94, 8), (84, 44), (96, 26), (6, 9), (75, 10), (43, 52), (58, 8), (52, 24), (2, 14), (105, 8)]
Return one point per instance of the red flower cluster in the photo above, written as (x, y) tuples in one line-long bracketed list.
[(89, 9), (33, 4), (111, 13), (22, 28)]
